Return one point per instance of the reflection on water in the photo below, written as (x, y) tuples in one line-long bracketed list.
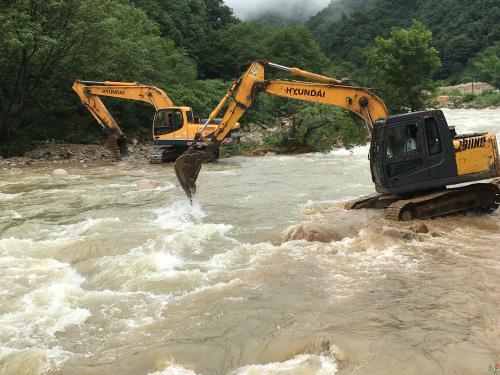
[(98, 277)]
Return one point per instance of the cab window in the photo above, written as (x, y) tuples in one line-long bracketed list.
[(168, 121), (403, 154), (190, 117), (432, 135), (402, 141)]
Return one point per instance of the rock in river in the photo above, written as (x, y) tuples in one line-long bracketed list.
[(60, 173), (147, 183)]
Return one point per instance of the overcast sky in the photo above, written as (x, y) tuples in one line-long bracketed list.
[(249, 8)]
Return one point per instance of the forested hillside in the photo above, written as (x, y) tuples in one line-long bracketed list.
[(461, 29), (193, 49)]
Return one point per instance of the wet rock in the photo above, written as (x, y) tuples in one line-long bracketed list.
[(419, 228), (135, 141), (401, 233), (65, 154), (147, 183), (60, 173), (331, 225), (312, 232)]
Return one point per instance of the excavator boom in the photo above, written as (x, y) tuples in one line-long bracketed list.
[(91, 91), (245, 91)]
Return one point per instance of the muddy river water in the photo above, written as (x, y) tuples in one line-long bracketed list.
[(99, 277)]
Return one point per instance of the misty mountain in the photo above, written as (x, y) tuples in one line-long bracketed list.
[(336, 11), (276, 12)]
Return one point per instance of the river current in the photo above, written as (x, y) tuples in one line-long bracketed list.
[(99, 277)]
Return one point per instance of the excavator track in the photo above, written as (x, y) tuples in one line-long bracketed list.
[(483, 197), (371, 201), (163, 154)]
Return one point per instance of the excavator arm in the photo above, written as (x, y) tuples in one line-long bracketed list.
[(91, 91), (244, 93)]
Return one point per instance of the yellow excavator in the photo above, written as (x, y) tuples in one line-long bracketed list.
[(174, 127), (414, 157)]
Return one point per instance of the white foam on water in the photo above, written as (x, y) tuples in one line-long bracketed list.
[(189, 232), (8, 197), (42, 300), (355, 152), (143, 264), (483, 120), (47, 308), (227, 172), (304, 364), (178, 215), (173, 369), (84, 227), (322, 204), (193, 237), (10, 214), (28, 247)]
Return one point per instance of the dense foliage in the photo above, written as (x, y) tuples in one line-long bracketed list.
[(194, 48), (461, 29), (402, 66), (486, 66), (47, 44), (314, 127)]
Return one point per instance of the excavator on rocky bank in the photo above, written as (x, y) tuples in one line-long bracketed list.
[(174, 127), (414, 157)]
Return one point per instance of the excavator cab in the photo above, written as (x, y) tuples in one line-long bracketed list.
[(418, 151)]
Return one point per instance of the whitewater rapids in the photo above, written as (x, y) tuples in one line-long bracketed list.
[(100, 277)]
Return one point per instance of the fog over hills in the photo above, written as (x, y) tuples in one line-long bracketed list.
[(288, 10)]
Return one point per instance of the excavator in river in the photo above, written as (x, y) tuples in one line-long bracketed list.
[(415, 158), (174, 127)]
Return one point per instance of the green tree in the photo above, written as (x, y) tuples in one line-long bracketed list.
[(46, 44), (402, 66), (296, 46), (487, 65), (318, 128), (194, 25)]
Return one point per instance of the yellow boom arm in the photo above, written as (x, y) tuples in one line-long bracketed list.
[(327, 90), (244, 93), (90, 91)]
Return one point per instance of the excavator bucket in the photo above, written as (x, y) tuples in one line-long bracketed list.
[(118, 146), (188, 165)]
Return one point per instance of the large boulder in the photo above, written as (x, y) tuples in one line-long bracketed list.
[(313, 232), (147, 183), (331, 225)]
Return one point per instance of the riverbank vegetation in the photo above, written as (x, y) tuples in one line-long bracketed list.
[(487, 99), (194, 48)]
